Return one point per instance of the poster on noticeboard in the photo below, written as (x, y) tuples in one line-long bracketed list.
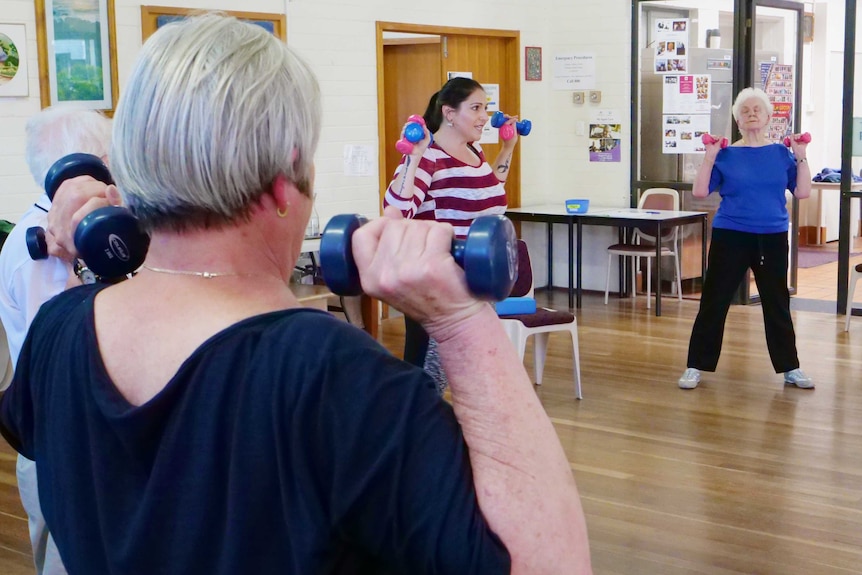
[(671, 45), (778, 83), (686, 113)]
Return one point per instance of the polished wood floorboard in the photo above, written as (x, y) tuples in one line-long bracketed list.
[(741, 475)]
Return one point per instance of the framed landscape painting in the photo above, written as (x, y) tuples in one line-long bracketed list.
[(153, 17), (14, 79), (77, 59)]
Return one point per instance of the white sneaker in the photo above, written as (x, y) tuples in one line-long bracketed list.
[(798, 378), (690, 378)]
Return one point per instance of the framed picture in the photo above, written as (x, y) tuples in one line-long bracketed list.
[(77, 54), (153, 17), (532, 63), (13, 61), (808, 27)]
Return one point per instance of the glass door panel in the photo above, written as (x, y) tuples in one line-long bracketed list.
[(776, 68)]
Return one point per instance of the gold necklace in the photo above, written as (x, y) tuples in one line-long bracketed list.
[(206, 275)]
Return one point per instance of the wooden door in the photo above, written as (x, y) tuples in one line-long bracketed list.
[(411, 69), (412, 73), (489, 59)]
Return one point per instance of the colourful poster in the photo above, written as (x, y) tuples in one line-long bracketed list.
[(671, 45), (779, 85), (682, 133), (605, 136), (686, 94)]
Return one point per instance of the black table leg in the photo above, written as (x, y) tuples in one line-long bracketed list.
[(550, 256), (658, 269), (579, 253), (703, 255)]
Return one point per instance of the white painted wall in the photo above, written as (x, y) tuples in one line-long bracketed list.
[(338, 37)]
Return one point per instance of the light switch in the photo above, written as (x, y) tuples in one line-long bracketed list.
[(580, 128), (578, 97), (595, 96)]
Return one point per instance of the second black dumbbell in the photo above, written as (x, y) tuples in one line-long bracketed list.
[(109, 239), (488, 255)]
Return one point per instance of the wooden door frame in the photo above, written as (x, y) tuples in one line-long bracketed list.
[(513, 53)]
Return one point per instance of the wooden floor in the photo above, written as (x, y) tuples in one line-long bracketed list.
[(741, 475), (820, 282)]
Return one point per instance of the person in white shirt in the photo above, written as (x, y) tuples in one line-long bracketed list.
[(25, 284)]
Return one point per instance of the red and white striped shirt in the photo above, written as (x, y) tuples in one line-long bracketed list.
[(448, 190)]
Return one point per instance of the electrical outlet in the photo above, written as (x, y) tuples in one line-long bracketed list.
[(595, 96), (578, 97)]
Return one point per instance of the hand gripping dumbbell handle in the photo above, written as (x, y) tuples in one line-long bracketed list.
[(708, 139), (108, 239), (488, 256), (67, 167), (498, 120), (414, 132), (805, 138)]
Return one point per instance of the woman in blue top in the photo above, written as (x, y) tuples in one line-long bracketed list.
[(749, 231)]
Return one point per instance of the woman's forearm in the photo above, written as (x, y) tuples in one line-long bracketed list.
[(522, 477), (803, 179), (700, 188), (502, 162), (402, 189)]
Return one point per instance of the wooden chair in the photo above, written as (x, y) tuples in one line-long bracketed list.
[(855, 274), (643, 245), (540, 324)]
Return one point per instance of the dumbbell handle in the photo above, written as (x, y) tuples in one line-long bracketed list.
[(488, 256), (507, 132), (414, 132), (108, 239), (708, 139), (804, 138), (67, 167)]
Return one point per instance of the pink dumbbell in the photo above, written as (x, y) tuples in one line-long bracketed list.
[(413, 132), (803, 138), (707, 140)]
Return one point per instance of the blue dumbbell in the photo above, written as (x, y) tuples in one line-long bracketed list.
[(498, 120), (109, 239), (414, 132), (488, 256)]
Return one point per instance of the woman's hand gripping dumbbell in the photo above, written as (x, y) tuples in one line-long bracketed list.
[(413, 133), (507, 131), (708, 140), (108, 239), (803, 138), (488, 255)]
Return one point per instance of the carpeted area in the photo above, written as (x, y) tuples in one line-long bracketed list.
[(810, 257)]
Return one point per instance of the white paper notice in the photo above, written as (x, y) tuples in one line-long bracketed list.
[(671, 45), (687, 94), (358, 161), (492, 97), (490, 135), (683, 132), (574, 71)]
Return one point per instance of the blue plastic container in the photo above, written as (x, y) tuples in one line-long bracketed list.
[(577, 206)]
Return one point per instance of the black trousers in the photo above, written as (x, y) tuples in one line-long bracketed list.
[(415, 342), (730, 255)]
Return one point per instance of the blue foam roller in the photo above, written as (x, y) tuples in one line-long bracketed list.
[(516, 305)]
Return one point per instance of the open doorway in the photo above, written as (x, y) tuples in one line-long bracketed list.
[(414, 61)]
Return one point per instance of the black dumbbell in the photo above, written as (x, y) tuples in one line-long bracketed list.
[(488, 255), (109, 239), (498, 120)]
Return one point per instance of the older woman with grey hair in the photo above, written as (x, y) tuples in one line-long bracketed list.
[(196, 419), (749, 232)]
